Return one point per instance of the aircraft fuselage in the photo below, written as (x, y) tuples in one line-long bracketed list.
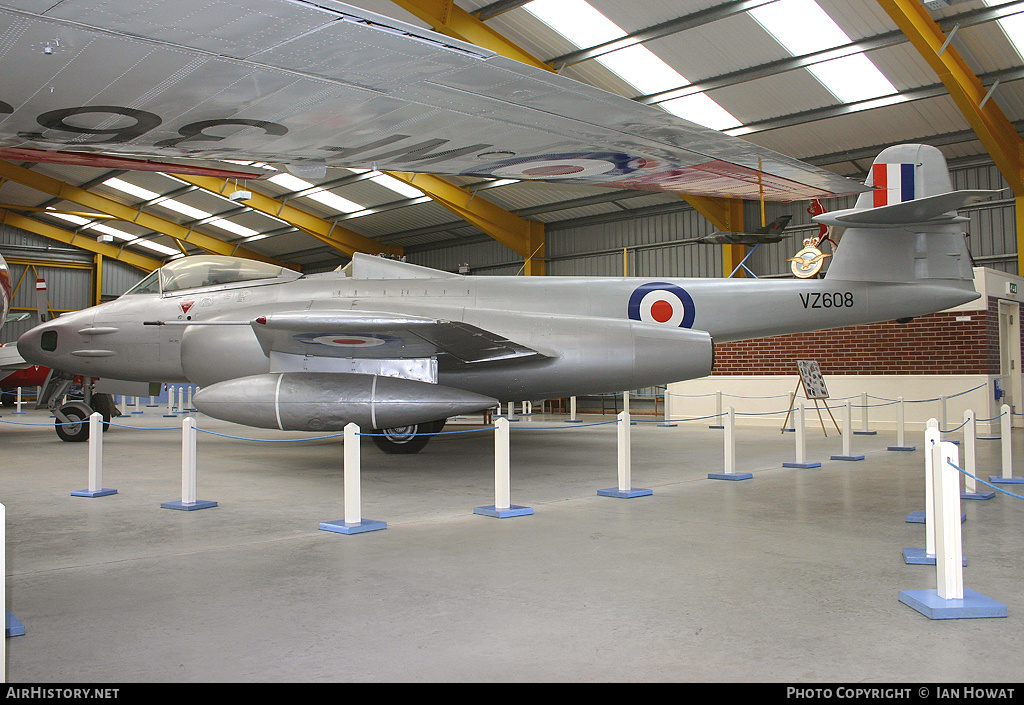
[(586, 329)]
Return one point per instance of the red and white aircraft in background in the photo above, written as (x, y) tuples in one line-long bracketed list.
[(14, 371)]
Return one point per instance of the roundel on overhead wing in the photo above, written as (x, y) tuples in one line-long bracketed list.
[(662, 303), (586, 165)]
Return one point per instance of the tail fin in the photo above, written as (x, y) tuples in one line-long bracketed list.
[(907, 228), (776, 226)]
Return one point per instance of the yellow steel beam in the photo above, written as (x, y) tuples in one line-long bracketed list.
[(331, 234), (989, 123), (726, 214), (524, 237), (448, 18), (147, 264), (76, 194)]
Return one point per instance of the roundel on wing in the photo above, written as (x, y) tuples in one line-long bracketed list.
[(662, 303), (346, 340), (596, 165)]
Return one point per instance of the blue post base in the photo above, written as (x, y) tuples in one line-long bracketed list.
[(93, 493), (1000, 480), (973, 605), (574, 420), (13, 627), (625, 494), (512, 511), (902, 448), (918, 517), (847, 457), (666, 424), (917, 556), (730, 476), (362, 526), (801, 465), (716, 426), (188, 506), (977, 495), (865, 433)]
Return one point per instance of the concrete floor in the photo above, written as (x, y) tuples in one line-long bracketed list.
[(792, 576)]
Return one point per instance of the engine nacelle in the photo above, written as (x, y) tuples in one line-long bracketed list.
[(327, 401)]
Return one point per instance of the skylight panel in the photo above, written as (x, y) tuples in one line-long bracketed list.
[(802, 27), (1012, 26), (331, 200), (584, 26)]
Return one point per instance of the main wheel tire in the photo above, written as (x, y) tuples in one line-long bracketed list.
[(76, 428), (401, 440)]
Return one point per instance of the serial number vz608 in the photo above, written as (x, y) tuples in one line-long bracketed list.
[(828, 299)]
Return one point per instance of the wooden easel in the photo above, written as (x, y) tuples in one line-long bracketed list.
[(813, 384)]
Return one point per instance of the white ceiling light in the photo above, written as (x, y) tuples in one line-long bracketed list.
[(584, 26), (802, 27)]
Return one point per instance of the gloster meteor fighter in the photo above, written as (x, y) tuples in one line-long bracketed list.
[(183, 86), (391, 345)]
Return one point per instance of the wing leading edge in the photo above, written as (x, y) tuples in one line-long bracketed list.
[(328, 84)]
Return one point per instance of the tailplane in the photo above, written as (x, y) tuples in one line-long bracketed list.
[(906, 228)]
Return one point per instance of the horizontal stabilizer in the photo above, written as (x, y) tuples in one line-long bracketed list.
[(936, 209)]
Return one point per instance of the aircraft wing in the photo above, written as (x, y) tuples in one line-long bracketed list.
[(11, 360), (375, 335), (326, 84)]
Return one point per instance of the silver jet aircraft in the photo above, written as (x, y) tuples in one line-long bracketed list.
[(183, 86), (398, 347)]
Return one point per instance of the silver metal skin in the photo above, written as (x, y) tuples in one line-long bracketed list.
[(387, 344), (318, 84)]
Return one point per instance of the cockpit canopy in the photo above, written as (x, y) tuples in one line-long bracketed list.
[(210, 270)]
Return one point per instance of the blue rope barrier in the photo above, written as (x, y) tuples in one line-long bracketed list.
[(1000, 489)]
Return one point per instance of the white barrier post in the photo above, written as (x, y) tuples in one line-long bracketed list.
[(18, 403), (502, 507), (901, 444), (801, 441), (864, 417), (95, 488), (1006, 426), (971, 460), (719, 422), (12, 625), (667, 408), (730, 451), (625, 490), (353, 523), (848, 436), (137, 410), (188, 471), (572, 411), (949, 600), (170, 402)]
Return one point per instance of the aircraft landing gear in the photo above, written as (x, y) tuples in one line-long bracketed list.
[(404, 440), (72, 419)]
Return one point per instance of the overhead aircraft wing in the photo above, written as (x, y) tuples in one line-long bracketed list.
[(326, 84), (370, 334)]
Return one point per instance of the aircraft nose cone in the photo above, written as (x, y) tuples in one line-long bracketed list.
[(50, 344)]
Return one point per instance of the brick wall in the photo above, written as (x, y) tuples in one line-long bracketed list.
[(932, 344)]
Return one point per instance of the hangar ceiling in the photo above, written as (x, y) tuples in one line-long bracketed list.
[(829, 82)]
